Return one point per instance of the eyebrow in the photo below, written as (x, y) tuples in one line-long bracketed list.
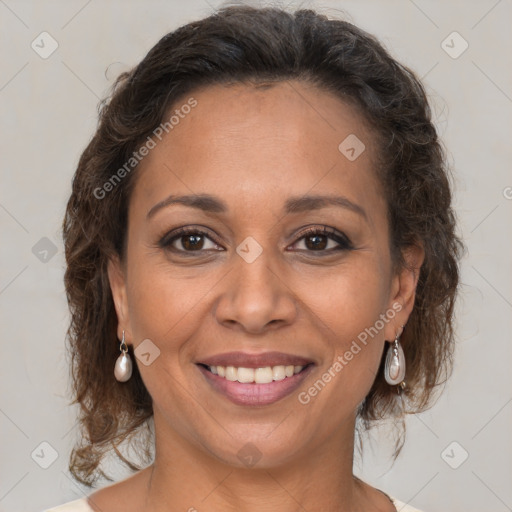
[(212, 204)]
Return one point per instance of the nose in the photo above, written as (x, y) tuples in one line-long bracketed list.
[(255, 296)]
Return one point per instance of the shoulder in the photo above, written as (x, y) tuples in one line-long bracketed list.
[(80, 505), (124, 496), (403, 507)]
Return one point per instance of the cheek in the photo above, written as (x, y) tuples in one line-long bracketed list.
[(163, 308), (162, 300), (351, 298), (352, 307)]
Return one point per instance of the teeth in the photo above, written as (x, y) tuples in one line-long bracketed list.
[(231, 373), (263, 375), (258, 375)]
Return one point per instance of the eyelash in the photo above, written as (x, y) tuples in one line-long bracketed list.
[(344, 242)]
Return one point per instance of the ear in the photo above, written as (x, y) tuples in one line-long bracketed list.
[(403, 290), (117, 280)]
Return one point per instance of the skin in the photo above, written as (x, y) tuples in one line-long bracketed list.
[(254, 147)]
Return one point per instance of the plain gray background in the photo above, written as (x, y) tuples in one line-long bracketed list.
[(48, 114)]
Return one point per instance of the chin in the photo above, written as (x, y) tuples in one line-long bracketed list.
[(262, 449)]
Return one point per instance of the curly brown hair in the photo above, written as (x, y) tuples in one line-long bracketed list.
[(252, 45)]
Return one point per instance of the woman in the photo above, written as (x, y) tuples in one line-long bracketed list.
[(261, 259)]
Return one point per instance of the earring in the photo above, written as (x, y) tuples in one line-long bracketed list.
[(394, 369), (124, 366)]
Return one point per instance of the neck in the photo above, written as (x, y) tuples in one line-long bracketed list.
[(186, 477)]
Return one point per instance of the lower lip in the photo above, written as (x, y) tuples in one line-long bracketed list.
[(252, 393)]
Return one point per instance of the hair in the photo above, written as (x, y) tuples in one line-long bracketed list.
[(247, 45)]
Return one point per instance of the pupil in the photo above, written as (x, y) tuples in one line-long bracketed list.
[(194, 244), (316, 244), (312, 242)]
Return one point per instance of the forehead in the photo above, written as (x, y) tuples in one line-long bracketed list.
[(254, 144)]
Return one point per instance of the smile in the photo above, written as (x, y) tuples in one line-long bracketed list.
[(258, 375), (255, 386)]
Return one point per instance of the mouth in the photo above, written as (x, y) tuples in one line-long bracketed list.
[(244, 385)]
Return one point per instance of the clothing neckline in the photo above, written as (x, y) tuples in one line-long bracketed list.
[(86, 501), (387, 495), (389, 498)]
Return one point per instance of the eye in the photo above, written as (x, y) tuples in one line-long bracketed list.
[(187, 240), (324, 240)]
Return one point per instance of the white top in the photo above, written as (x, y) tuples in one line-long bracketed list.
[(82, 506)]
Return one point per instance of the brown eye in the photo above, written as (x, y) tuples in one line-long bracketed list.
[(187, 240), (324, 240), (316, 242), (192, 242)]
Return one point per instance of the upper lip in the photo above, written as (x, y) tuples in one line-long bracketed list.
[(247, 360)]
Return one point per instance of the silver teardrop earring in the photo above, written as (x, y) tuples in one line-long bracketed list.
[(124, 366), (394, 369)]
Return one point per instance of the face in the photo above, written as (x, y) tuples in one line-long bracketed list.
[(263, 270)]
